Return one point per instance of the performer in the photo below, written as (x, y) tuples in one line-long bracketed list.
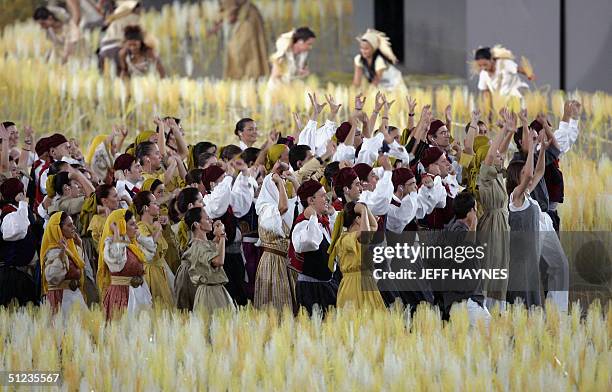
[(289, 62), (61, 31), (246, 51), (357, 286), (206, 259), (136, 58), (499, 72), (376, 61), (121, 265), (62, 264), (126, 14)]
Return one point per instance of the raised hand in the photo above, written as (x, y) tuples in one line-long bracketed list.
[(379, 102), (219, 229), (298, 121), (316, 106), (448, 114), (359, 101), (333, 106), (411, 104)]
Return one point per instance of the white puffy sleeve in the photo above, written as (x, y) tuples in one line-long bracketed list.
[(378, 200), (399, 217), (398, 151), (242, 196), (483, 78), (566, 135), (307, 235), (344, 153), (148, 246), (55, 266), (15, 225), (217, 201), (323, 135), (453, 185), (369, 149), (434, 197), (270, 218), (308, 135), (115, 254)]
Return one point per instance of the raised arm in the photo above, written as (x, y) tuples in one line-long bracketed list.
[(541, 166), (411, 106), (526, 175), (181, 144), (472, 131), (378, 104)]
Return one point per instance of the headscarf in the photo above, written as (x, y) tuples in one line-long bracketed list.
[(191, 161), (274, 154), (380, 41), (117, 217), (147, 185), (499, 52), (335, 236), (89, 209), (51, 240), (100, 139), (50, 185), (283, 43), (183, 235), (141, 137)]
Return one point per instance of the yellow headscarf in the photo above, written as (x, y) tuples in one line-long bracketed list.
[(274, 154), (51, 240), (89, 209), (148, 183), (481, 148), (190, 159), (50, 185), (103, 276), (141, 137), (183, 236), (92, 147), (336, 232)]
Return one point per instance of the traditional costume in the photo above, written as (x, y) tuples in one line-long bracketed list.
[(383, 60)]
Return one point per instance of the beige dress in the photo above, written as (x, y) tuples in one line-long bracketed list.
[(246, 54), (493, 227), (210, 294)]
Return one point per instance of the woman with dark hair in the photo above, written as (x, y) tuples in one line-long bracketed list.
[(158, 275), (246, 130), (376, 62), (205, 259), (121, 265), (61, 30), (136, 58), (499, 73), (524, 221), (62, 264), (289, 62), (357, 286)]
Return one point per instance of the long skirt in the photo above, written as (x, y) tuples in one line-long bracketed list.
[(120, 297), (360, 291), (211, 297), (274, 283), (184, 289), (65, 299), (159, 278), (234, 269), (321, 294)]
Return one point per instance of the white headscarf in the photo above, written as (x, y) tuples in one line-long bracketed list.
[(380, 41)]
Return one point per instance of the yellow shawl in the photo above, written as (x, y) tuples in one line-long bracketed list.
[(103, 276), (51, 240)]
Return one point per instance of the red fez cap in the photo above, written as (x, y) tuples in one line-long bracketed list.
[(308, 189), (431, 155), (124, 162), (56, 139), (400, 176), (42, 146), (362, 170), (211, 174), (342, 131), (11, 188), (345, 177), (435, 125)]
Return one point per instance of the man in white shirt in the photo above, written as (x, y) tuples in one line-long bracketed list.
[(129, 178)]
